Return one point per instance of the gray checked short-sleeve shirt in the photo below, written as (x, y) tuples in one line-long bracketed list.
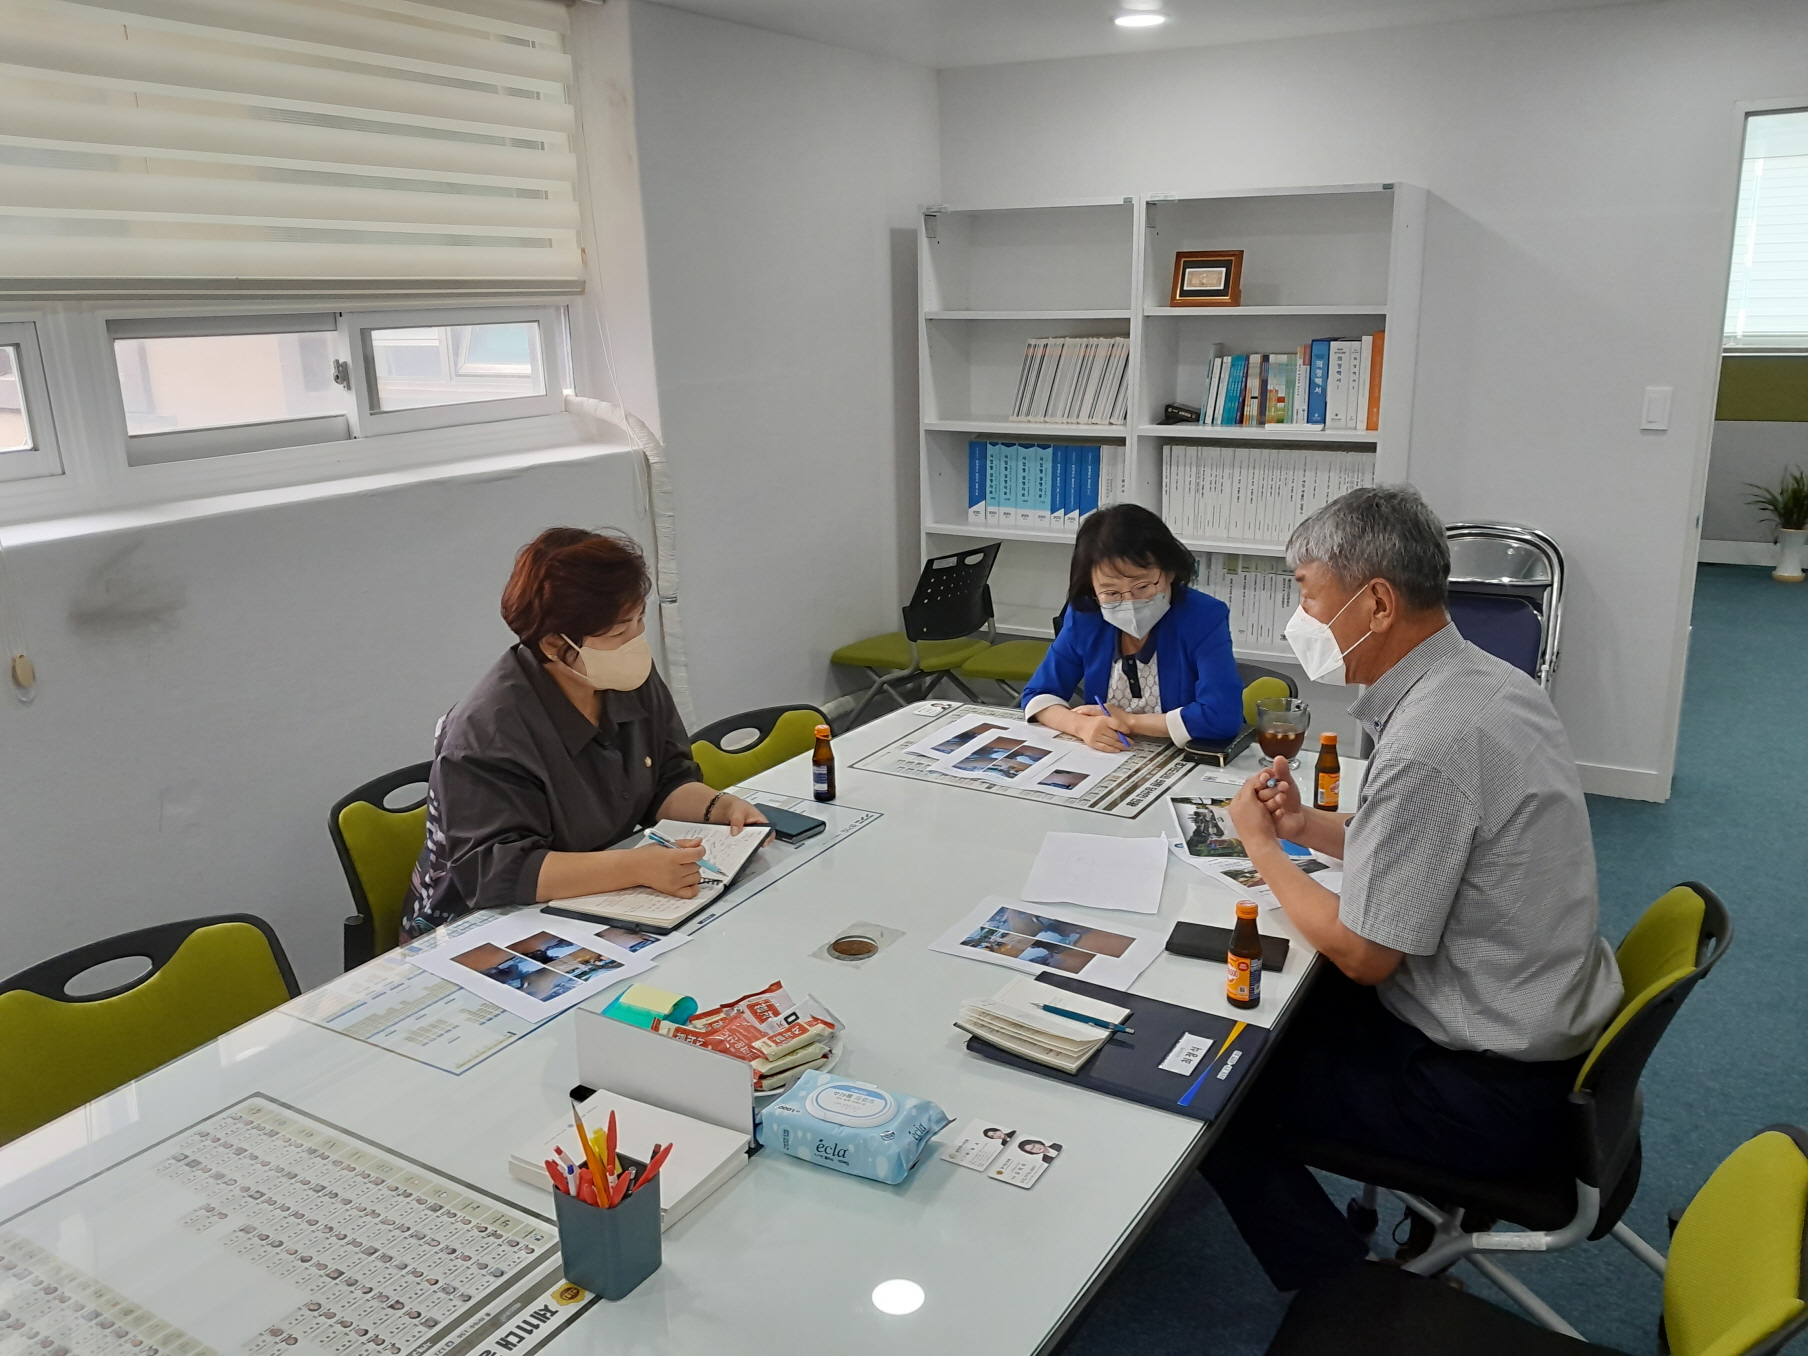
[(1470, 851)]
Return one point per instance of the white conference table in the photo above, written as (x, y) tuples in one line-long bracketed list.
[(785, 1258)]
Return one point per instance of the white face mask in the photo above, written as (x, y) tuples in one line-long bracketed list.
[(1316, 648), (1136, 618), (619, 670)]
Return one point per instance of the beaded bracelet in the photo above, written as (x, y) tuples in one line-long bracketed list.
[(711, 807)]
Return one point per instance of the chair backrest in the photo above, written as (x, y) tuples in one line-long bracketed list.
[(60, 1049), (1733, 1283), (952, 597), (738, 747), (1677, 940), (1258, 683), (378, 846), (1506, 593)]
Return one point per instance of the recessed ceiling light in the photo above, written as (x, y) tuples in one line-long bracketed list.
[(897, 1297), (1142, 20)]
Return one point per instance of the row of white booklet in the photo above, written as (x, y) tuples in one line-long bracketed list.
[(1253, 493), (1261, 595), (1079, 379)]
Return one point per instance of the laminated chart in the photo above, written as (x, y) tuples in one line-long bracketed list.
[(1139, 778), (263, 1231)]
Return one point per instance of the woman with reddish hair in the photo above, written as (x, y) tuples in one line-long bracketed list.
[(569, 744)]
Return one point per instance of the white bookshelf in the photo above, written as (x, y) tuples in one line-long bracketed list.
[(1320, 262)]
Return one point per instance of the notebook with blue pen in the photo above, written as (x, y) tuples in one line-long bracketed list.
[(1178, 1059)]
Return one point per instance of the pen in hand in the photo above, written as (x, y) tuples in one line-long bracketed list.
[(703, 862), (1107, 710)]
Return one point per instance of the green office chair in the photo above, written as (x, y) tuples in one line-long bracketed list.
[(952, 601), (1258, 683), (1734, 1285), (1663, 957), (735, 748), (378, 846), (1010, 664), (59, 1050)]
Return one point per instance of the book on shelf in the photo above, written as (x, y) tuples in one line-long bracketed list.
[(1324, 384), (1260, 592), (1042, 487), (1253, 494), (1074, 379)]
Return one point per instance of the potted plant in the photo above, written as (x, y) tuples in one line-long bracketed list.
[(1787, 507)]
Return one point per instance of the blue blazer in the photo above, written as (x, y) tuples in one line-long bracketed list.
[(1198, 672)]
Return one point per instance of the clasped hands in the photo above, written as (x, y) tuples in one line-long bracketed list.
[(1268, 807)]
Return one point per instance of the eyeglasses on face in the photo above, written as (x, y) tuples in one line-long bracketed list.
[(1139, 593)]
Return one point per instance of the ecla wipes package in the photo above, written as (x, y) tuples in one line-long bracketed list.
[(851, 1127)]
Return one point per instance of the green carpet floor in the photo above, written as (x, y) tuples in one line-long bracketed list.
[(1732, 1062)]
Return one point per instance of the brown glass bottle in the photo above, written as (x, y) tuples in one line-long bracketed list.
[(1329, 774), (1243, 966), (822, 766)]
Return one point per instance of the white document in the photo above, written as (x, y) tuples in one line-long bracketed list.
[(1034, 938), (1099, 872), (1186, 1054), (532, 964), (1075, 770)]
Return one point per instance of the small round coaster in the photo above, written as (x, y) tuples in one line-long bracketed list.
[(853, 947)]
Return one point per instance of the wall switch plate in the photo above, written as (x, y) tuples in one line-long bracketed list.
[(1655, 417)]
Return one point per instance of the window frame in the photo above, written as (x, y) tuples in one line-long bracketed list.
[(370, 421), (43, 460), (85, 411), (1790, 345)]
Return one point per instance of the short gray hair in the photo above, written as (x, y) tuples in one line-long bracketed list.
[(1381, 532)]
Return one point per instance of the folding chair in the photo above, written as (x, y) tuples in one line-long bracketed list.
[(951, 602), (1506, 593)]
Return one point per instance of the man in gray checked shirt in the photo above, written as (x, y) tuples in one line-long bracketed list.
[(1471, 977)]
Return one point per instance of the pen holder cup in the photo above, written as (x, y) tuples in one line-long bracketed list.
[(609, 1252)]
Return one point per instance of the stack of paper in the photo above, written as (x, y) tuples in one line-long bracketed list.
[(1098, 872), (1013, 1019)]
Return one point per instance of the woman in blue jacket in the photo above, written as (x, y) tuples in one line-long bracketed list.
[(1139, 638)]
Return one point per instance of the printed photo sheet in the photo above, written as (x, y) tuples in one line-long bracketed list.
[(1016, 754), (534, 964), (1208, 841), (1034, 937)]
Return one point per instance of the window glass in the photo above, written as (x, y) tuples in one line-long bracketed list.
[(15, 425), (221, 380), (455, 364), (1767, 295)]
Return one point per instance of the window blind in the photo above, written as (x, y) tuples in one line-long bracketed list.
[(1767, 295), (255, 147)]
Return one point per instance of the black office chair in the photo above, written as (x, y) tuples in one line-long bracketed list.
[(952, 601), (1506, 593), (1662, 958)]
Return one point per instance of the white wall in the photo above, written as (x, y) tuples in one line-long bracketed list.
[(780, 180), (208, 687), (1583, 167)]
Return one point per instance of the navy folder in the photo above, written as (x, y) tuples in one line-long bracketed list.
[(1126, 1065)]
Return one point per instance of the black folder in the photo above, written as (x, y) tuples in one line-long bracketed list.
[(1126, 1065)]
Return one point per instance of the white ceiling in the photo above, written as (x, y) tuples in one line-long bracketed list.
[(992, 32)]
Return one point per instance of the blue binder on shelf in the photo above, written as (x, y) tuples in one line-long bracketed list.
[(1127, 1065)]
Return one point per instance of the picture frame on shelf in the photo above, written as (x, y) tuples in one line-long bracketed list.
[(1207, 278)]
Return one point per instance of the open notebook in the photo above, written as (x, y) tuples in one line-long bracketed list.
[(646, 909), (1013, 1019)]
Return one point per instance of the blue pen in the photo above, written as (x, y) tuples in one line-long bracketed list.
[(1082, 1017), (703, 862), (1120, 734)]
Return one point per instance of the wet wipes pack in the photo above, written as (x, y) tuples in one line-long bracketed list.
[(851, 1127)]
